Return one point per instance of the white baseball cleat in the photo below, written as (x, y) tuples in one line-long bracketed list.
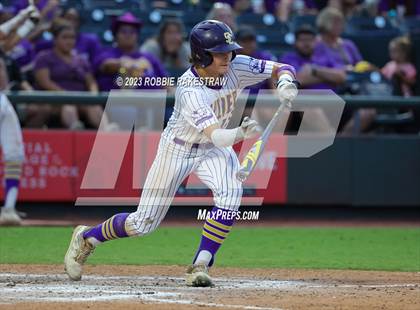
[(198, 276), (77, 253), (10, 217)]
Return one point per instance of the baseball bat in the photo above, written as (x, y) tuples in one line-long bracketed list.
[(254, 154)]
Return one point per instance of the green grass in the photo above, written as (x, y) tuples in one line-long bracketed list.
[(336, 248)]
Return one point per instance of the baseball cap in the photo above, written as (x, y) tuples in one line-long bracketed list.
[(305, 29), (126, 19)]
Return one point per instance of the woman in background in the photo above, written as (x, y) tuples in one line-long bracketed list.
[(62, 69), (169, 46)]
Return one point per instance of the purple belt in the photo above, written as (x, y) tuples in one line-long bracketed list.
[(193, 145)]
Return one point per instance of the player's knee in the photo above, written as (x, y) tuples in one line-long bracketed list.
[(229, 199), (139, 224), (234, 191)]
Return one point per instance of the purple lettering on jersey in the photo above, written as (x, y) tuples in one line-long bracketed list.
[(262, 66), (256, 65), (201, 120)]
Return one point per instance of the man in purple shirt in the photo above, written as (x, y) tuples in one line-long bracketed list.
[(314, 70), (125, 60)]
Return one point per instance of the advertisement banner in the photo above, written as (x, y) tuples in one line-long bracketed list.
[(110, 168)]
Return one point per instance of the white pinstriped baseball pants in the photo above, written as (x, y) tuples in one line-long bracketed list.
[(216, 168), (10, 133)]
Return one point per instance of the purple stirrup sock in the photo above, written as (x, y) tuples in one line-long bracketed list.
[(112, 228), (215, 230)]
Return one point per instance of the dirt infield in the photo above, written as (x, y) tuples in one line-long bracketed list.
[(162, 287)]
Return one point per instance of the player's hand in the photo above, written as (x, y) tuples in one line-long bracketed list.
[(250, 128), (286, 91)]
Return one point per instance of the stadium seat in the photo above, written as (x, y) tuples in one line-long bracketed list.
[(411, 24), (360, 25), (370, 44), (125, 5), (258, 21)]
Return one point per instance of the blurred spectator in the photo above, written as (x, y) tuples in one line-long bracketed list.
[(314, 71), (88, 45), (169, 46), (17, 55), (125, 59), (59, 69), (247, 38), (283, 9), (223, 12), (341, 52), (14, 30), (349, 8), (16, 80), (400, 70), (239, 6), (48, 9)]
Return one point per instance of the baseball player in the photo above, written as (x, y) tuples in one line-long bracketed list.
[(13, 156), (195, 140), (11, 141)]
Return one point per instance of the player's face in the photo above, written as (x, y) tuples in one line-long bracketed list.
[(220, 64)]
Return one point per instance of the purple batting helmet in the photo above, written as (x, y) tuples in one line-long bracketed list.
[(211, 36)]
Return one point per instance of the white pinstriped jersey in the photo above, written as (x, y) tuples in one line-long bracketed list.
[(198, 107)]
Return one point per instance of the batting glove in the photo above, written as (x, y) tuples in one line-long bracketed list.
[(250, 128), (287, 90)]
